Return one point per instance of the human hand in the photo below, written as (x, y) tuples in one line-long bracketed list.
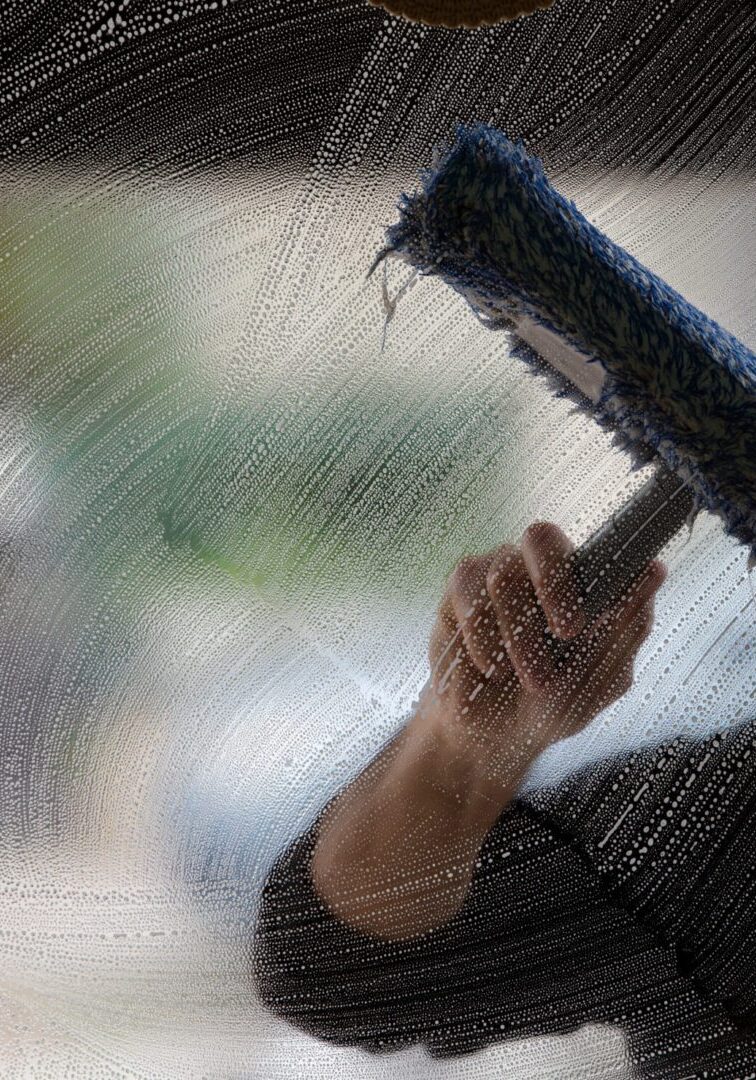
[(516, 665)]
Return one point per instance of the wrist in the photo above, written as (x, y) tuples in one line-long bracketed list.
[(466, 765)]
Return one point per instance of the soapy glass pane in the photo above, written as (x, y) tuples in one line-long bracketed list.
[(232, 493)]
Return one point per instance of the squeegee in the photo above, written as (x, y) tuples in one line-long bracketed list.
[(674, 387)]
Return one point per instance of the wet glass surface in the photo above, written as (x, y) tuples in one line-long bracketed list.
[(231, 496)]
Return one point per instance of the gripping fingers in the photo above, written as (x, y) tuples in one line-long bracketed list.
[(596, 668), (600, 663), (615, 670), (473, 610), (520, 617), (545, 551), (611, 644), (629, 608), (454, 676)]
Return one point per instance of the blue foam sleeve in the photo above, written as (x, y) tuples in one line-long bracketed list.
[(487, 221)]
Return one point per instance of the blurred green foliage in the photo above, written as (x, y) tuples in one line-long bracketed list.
[(345, 487), (355, 491)]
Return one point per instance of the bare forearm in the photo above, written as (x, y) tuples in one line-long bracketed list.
[(397, 850)]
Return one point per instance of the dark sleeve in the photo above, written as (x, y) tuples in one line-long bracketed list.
[(670, 834), (534, 950)]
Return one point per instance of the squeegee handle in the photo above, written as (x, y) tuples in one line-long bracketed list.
[(613, 558)]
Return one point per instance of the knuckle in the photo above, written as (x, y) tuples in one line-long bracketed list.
[(506, 565), (558, 595), (444, 630), (546, 537), (465, 573), (446, 618), (538, 529), (493, 580), (541, 530)]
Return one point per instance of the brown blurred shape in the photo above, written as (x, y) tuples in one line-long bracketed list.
[(456, 13)]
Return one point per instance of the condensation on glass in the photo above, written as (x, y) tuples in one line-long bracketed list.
[(231, 497)]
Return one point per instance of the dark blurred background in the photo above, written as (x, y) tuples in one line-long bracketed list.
[(175, 87)]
